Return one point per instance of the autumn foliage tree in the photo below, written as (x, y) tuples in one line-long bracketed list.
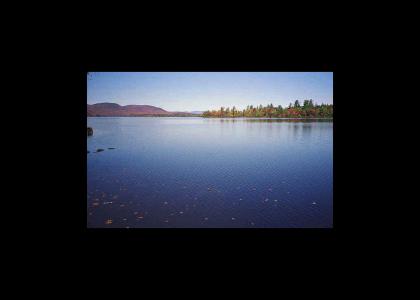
[(307, 110)]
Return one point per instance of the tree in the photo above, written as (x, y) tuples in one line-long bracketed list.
[(311, 104), (309, 109), (279, 111)]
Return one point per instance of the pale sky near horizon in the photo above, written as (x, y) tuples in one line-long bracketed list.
[(199, 91)]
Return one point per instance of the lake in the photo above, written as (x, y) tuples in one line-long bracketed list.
[(215, 173)]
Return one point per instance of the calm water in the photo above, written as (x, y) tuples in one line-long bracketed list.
[(196, 172)]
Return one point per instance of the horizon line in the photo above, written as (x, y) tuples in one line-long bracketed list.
[(300, 101)]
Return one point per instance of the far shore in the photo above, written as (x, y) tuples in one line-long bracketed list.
[(198, 116)]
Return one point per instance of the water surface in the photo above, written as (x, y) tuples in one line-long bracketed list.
[(197, 172)]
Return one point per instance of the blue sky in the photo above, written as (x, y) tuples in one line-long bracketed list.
[(190, 91)]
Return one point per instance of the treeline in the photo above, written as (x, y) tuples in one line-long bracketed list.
[(305, 110)]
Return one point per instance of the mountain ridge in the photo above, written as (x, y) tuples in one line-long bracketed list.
[(109, 109)]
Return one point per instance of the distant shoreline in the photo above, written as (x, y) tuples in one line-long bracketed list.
[(263, 118), (308, 110), (268, 118)]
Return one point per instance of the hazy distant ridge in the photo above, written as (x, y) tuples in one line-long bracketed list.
[(115, 110)]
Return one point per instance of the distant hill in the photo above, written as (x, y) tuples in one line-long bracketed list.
[(196, 112), (116, 110)]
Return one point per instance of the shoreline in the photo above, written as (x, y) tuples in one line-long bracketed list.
[(263, 118)]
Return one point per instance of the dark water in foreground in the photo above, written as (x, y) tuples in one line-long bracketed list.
[(196, 172)]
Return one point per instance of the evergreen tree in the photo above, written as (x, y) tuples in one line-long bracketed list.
[(311, 104), (309, 109)]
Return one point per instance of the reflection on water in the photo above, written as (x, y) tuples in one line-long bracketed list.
[(198, 172)]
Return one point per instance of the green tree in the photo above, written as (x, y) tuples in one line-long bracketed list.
[(279, 111), (308, 109), (311, 104)]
